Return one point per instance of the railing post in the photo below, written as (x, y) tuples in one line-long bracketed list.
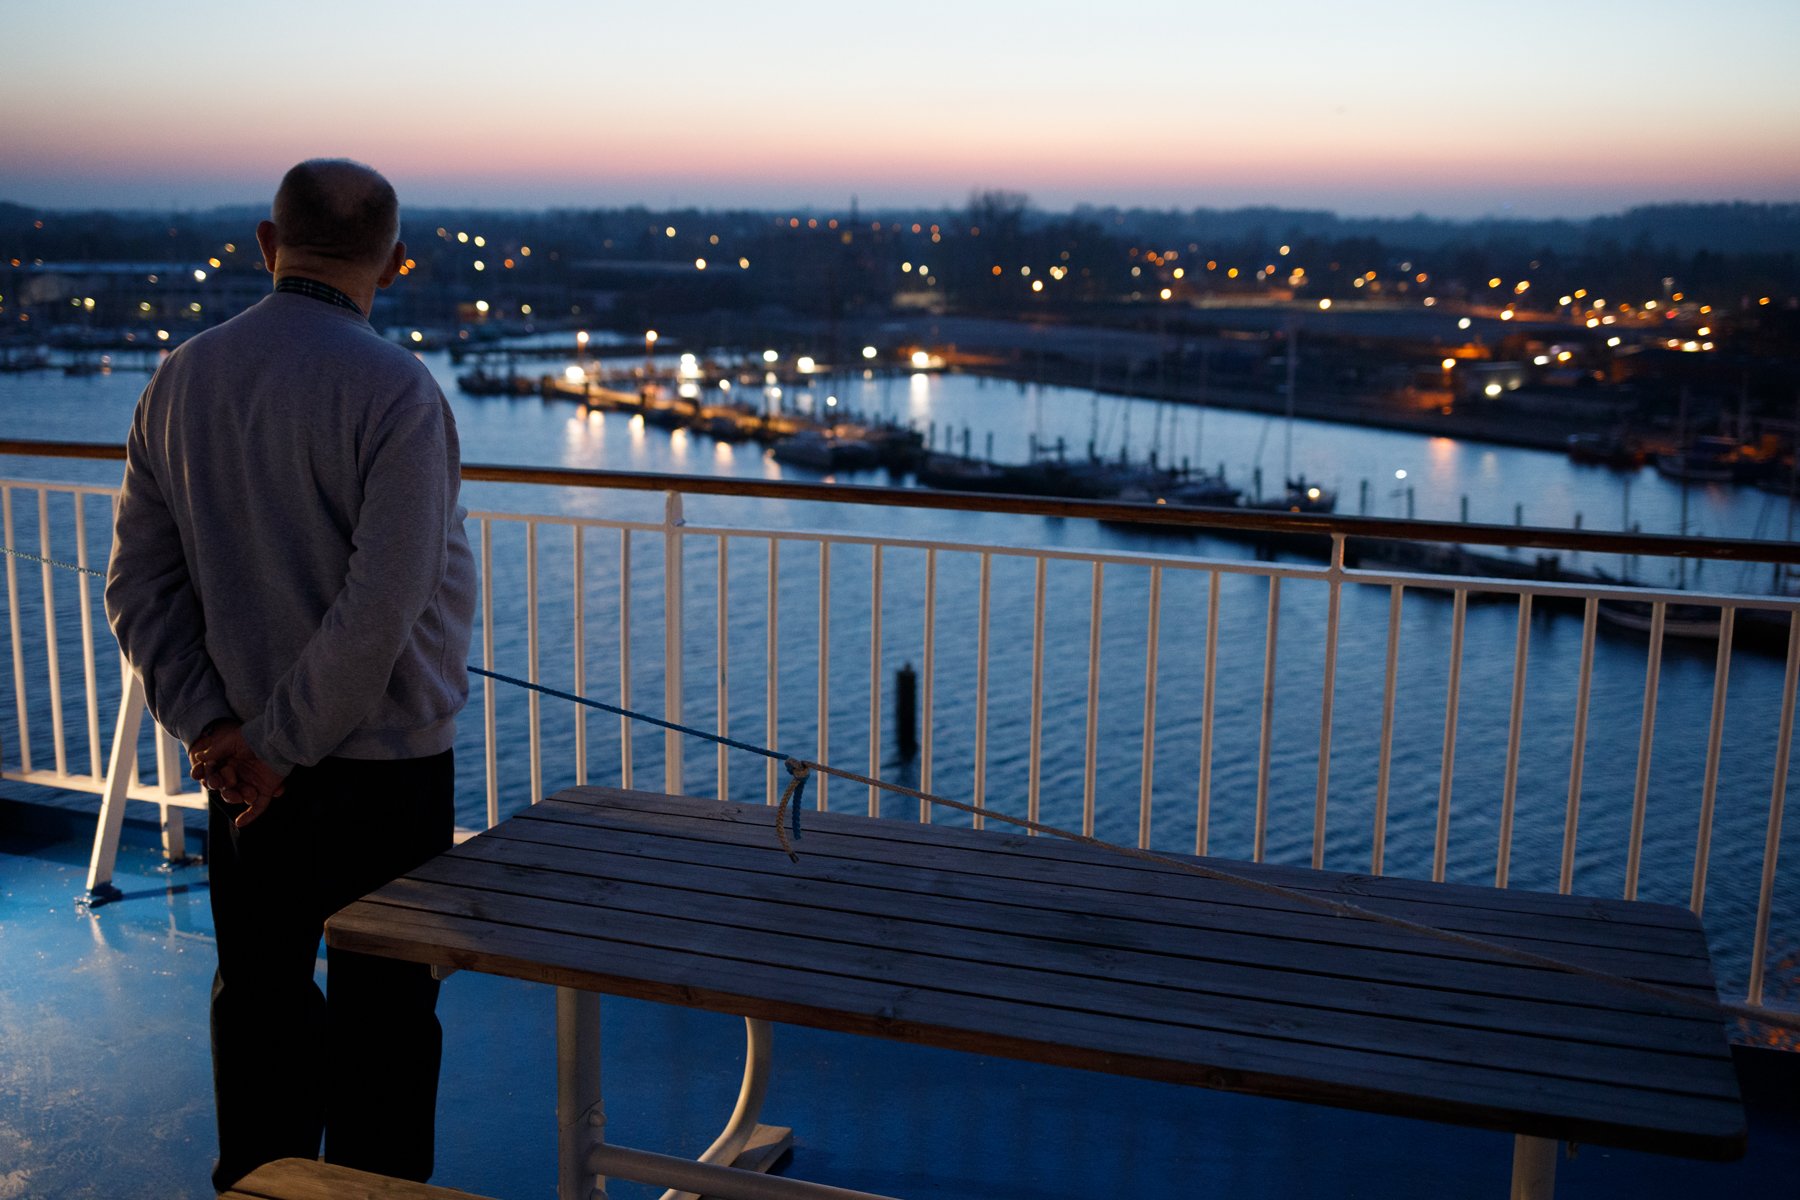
[(169, 755), (672, 595)]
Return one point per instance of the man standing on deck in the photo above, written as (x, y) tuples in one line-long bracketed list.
[(291, 581)]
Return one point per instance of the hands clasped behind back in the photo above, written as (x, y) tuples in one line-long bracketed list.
[(222, 760)]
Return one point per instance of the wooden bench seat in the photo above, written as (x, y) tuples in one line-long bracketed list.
[(304, 1179)]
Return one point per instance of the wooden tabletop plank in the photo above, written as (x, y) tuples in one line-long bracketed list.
[(1075, 865), (1703, 1127), (1020, 845), (1230, 963), (954, 938), (1670, 956), (895, 954)]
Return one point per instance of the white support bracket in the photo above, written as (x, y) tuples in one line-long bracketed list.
[(120, 767)]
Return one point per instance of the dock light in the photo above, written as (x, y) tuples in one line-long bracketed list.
[(1492, 389), (1593, 322), (1324, 304), (770, 356), (1449, 363), (1542, 360), (1612, 341), (920, 360), (212, 262), (525, 310), (669, 231), (699, 264), (418, 336), (87, 302), (743, 264), (1463, 324), (649, 337), (1703, 331), (1506, 314), (724, 385), (194, 307), (574, 374), (1400, 474), (162, 335), (1312, 493), (804, 364), (831, 402), (1038, 286), (480, 266), (462, 237), (199, 275), (1564, 355), (869, 352), (481, 306)]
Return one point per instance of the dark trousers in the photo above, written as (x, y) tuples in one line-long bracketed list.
[(358, 1064)]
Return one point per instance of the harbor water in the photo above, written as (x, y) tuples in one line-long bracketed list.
[(1387, 473)]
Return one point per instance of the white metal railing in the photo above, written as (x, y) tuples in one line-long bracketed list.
[(586, 556)]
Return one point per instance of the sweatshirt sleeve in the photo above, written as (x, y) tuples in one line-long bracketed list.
[(151, 603), (396, 566)]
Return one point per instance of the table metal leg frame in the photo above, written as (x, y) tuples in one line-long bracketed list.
[(1534, 1168), (585, 1158)]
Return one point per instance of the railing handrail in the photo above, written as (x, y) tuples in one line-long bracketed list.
[(1651, 545)]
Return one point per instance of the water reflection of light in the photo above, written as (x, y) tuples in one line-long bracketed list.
[(637, 429), (689, 390), (918, 394), (678, 443), (724, 451)]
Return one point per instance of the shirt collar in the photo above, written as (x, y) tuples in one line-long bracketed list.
[(318, 291)]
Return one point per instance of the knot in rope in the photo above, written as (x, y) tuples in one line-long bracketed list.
[(798, 772)]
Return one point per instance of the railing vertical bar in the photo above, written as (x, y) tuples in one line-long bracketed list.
[(979, 793), (1327, 698), (1640, 792), (625, 764), (1385, 755), (1147, 762), (96, 766), (1440, 852), (1035, 762), (127, 677), (1578, 755), (674, 610), (578, 567), (533, 700), (1714, 736), (1092, 753), (926, 686), (824, 739), (18, 639), (1208, 694), (875, 680), (1265, 735), (1514, 733), (722, 636), (1759, 946), (53, 657), (491, 750), (772, 671)]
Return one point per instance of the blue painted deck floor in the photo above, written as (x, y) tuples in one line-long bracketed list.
[(105, 1087)]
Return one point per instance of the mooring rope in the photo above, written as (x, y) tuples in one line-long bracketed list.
[(787, 815)]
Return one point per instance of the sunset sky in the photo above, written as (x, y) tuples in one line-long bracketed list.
[(1530, 108)]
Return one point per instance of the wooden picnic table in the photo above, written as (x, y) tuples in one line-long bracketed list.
[(1041, 949)]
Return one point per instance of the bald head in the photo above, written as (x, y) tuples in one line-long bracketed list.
[(338, 210)]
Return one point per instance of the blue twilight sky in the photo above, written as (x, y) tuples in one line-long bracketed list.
[(1529, 108)]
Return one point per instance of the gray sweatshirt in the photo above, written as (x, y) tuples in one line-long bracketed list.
[(289, 546)]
